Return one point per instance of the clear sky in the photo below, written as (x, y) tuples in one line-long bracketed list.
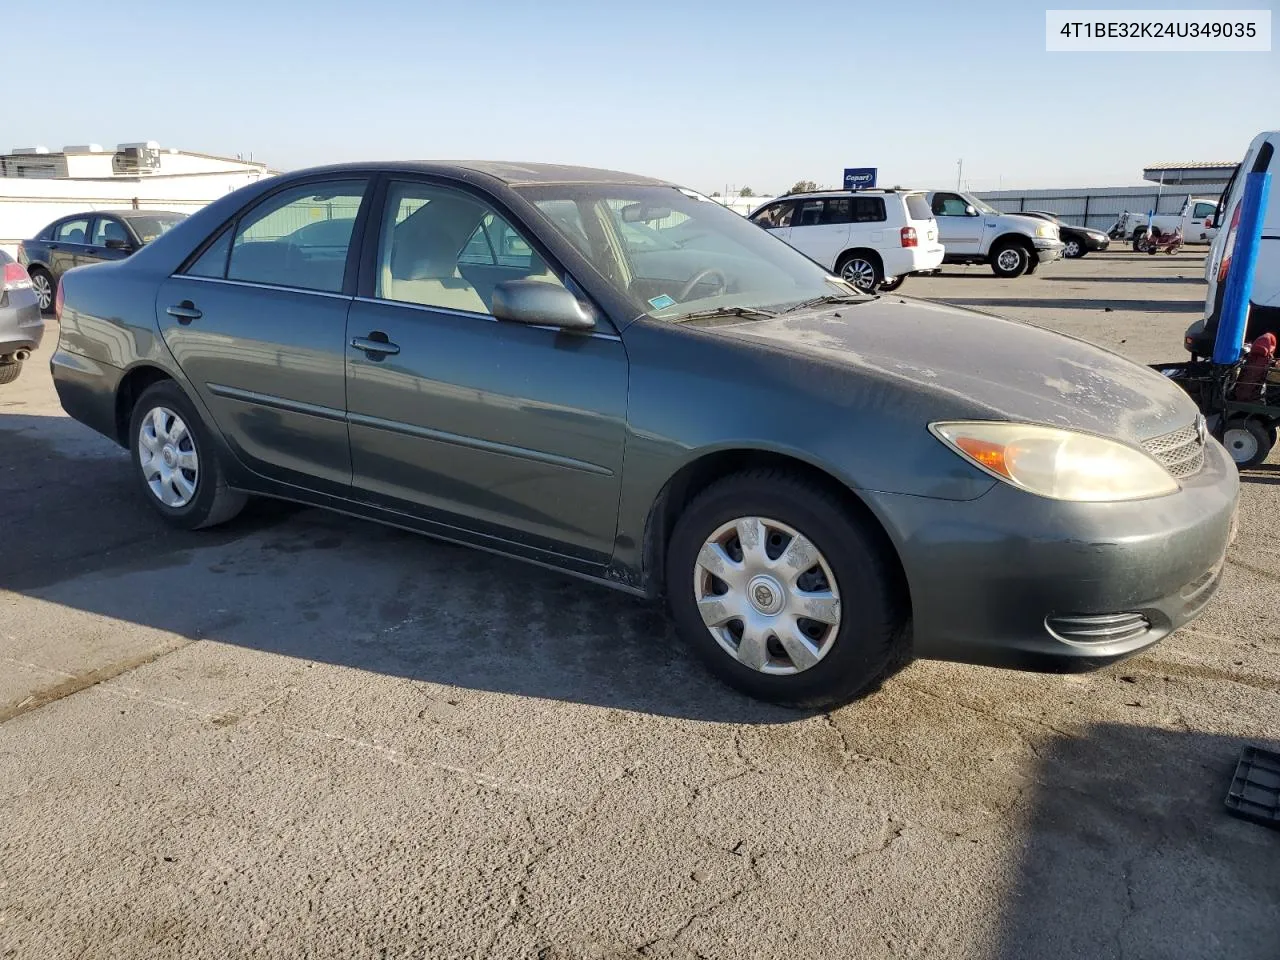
[(706, 92)]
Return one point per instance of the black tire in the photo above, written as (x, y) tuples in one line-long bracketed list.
[(1248, 441), (40, 277), (1140, 241), (9, 371), (872, 609), (888, 286), (213, 502), (1002, 264), (866, 270)]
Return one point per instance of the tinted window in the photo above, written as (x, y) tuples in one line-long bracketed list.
[(775, 215), (290, 239), (868, 209), (213, 262), (441, 248), (809, 213), (149, 227), (838, 210), (918, 207), (1203, 210), (108, 228), (949, 205), (72, 231)]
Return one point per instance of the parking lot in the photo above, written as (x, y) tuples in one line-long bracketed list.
[(307, 735)]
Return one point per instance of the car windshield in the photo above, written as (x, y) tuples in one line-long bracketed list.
[(980, 205), (149, 227), (674, 253)]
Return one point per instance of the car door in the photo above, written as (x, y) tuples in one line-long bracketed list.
[(776, 218), (505, 433), (67, 248), (107, 228), (958, 229), (257, 322), (1196, 231), (820, 229)]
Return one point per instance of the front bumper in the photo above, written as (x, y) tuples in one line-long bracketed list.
[(1048, 250), (989, 576), (1096, 243)]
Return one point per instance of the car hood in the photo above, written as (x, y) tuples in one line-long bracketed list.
[(974, 364)]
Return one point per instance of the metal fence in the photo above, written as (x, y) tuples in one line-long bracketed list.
[(1099, 208)]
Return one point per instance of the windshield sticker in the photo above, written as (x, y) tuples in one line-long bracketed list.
[(662, 302)]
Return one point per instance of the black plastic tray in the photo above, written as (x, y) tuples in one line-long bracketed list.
[(1255, 789)]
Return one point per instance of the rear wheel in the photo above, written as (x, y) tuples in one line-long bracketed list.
[(43, 284), (1248, 441), (1010, 259), (781, 591), (9, 371), (1140, 241), (893, 283), (175, 462), (862, 269)]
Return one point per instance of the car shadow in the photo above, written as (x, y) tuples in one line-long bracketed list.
[(1143, 306), (1144, 280), (1130, 852), (318, 585)]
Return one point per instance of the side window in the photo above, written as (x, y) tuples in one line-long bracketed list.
[(949, 205), (838, 211), (441, 248), (298, 238), (72, 231), (1203, 210), (108, 228), (776, 215), (213, 262), (868, 210), (810, 214)]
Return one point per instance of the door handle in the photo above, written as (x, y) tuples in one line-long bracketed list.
[(185, 312), (376, 345)]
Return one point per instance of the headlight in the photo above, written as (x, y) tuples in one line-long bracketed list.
[(1054, 463), (1046, 230)]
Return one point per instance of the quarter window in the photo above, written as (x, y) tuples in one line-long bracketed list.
[(297, 238), (441, 248), (72, 231)]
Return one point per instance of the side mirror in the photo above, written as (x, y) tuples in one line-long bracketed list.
[(115, 243), (541, 304), (970, 211)]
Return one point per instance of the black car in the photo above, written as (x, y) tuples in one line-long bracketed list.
[(1078, 240), (88, 238)]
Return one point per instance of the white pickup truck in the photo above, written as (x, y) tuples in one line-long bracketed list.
[(975, 232), (1195, 220)]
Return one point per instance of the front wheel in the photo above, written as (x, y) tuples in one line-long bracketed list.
[(1010, 260), (1248, 441), (893, 283), (1073, 249), (175, 462), (782, 592)]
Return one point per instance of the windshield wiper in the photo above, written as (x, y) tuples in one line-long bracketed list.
[(829, 298), (749, 313)]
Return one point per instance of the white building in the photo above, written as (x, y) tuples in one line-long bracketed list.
[(38, 185)]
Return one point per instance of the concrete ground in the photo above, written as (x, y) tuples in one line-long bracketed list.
[(305, 735)]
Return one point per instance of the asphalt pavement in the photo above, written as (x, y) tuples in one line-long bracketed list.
[(303, 735)]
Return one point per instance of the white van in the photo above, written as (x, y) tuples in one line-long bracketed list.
[(1264, 299)]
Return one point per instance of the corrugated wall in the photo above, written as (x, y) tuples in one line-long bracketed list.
[(1098, 207)]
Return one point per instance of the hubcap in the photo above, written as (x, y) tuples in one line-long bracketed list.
[(40, 283), (1073, 248), (860, 273), (767, 595), (167, 456), (1242, 444), (1009, 259)]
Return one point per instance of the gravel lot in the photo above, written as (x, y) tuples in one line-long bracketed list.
[(306, 735)]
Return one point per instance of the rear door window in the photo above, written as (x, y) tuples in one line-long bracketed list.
[(298, 237), (810, 213), (838, 210), (868, 210), (72, 231)]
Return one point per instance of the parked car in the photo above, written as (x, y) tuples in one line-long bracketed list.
[(975, 232), (1264, 298), (82, 238), (874, 239), (21, 326), (1195, 220), (1076, 241), (817, 480)]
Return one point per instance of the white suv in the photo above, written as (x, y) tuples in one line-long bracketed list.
[(872, 238)]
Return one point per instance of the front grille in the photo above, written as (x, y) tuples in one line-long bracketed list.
[(1098, 628), (1181, 452)]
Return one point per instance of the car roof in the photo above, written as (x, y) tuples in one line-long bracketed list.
[(512, 173), (125, 214), (819, 194)]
